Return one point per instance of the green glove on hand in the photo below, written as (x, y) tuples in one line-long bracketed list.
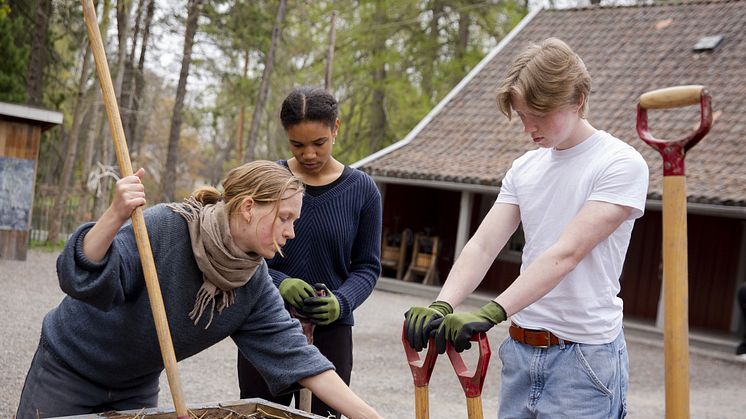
[(459, 327), (323, 309), (295, 290), (421, 321)]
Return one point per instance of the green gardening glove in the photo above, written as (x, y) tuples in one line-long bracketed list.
[(323, 309), (458, 328), (420, 322), (295, 290)]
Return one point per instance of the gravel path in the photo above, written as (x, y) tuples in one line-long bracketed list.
[(381, 375)]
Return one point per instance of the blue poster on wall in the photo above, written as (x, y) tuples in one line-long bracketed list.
[(16, 193)]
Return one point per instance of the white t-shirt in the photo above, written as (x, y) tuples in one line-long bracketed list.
[(550, 187)]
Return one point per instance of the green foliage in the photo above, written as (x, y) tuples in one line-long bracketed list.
[(4, 9), (394, 60), (14, 53), (45, 246)]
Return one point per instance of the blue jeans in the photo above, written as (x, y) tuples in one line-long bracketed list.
[(53, 389), (564, 381)]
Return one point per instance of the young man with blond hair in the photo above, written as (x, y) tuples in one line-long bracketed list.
[(577, 196)]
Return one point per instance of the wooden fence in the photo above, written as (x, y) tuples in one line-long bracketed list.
[(76, 210)]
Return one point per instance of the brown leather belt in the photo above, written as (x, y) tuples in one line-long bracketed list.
[(537, 338)]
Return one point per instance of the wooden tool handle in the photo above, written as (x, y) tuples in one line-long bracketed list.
[(474, 407), (421, 402), (304, 402), (138, 221), (675, 297), (672, 97)]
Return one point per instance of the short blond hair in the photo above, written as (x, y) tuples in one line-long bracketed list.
[(546, 75)]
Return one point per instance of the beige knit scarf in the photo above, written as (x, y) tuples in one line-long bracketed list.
[(224, 266)]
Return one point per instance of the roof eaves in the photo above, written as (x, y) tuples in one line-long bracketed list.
[(713, 209), (29, 114), (438, 184)]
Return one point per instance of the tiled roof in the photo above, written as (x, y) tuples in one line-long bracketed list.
[(628, 51)]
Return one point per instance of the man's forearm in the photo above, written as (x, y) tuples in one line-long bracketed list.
[(479, 253), (466, 274), (536, 281)]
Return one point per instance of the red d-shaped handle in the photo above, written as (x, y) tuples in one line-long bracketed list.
[(471, 382), (674, 151), (422, 369)]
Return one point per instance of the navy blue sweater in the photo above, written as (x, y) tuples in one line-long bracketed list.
[(337, 242)]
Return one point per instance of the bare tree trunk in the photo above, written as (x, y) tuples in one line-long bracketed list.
[(72, 150), (241, 115), (464, 32), (132, 133), (125, 105), (169, 178), (123, 23), (433, 52), (377, 110), (99, 201), (90, 147), (38, 57), (330, 52), (264, 85)]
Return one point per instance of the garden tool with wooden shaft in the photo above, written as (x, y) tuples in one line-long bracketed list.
[(304, 402), (297, 293), (138, 221), (472, 382), (455, 333), (422, 370), (419, 323), (675, 275)]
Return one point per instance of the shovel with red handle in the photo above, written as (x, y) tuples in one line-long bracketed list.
[(472, 382), (422, 369), (675, 275)]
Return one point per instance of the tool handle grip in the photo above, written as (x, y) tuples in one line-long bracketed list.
[(422, 368), (674, 151), (471, 381), (672, 97)]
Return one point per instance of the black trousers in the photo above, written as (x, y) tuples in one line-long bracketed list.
[(333, 341), (741, 295)]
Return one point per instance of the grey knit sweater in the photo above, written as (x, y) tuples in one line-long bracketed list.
[(104, 329)]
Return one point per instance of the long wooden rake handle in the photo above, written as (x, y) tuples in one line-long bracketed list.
[(138, 221)]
